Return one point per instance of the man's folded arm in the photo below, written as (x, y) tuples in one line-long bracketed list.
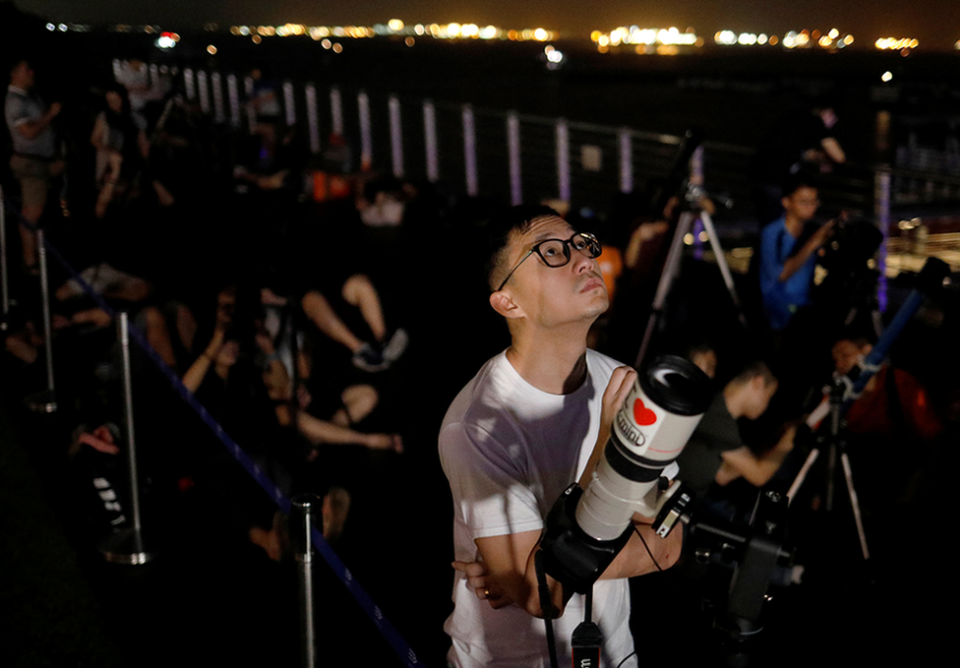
[(510, 562)]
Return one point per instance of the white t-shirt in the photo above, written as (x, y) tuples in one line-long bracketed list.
[(509, 450)]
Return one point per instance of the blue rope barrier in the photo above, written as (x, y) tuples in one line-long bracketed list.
[(390, 633)]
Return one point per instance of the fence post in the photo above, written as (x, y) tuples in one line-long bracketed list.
[(248, 87), (563, 160), (470, 151), (366, 139), (218, 112), (233, 95), (126, 546), (204, 91), (626, 160), (336, 111), (313, 119), (513, 147), (289, 104), (189, 84), (396, 137), (44, 401), (305, 508), (881, 204), (430, 139)]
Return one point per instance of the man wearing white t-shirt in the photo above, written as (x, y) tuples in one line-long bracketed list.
[(532, 421)]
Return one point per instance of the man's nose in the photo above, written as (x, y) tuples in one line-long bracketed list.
[(582, 260)]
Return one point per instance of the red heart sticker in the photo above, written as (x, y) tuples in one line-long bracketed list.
[(643, 415)]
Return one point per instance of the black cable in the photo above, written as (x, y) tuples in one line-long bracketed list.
[(546, 606), (626, 657), (647, 547)]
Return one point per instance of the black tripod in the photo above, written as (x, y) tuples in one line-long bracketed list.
[(692, 210), (836, 447)]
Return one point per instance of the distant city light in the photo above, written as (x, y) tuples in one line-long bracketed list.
[(452, 30), (896, 43), (663, 41), (886, 77), (211, 49)]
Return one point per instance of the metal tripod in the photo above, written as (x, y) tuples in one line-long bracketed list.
[(693, 210)]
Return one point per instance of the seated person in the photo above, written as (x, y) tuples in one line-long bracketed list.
[(893, 400), (72, 309), (891, 429), (716, 452), (787, 261), (357, 291)]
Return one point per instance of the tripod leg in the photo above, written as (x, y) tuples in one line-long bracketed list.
[(670, 269), (722, 263), (855, 504), (802, 476), (831, 474)]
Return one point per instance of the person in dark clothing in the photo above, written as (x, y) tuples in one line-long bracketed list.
[(716, 453)]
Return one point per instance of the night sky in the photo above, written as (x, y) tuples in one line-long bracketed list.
[(936, 23)]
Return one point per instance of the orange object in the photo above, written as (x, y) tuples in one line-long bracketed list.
[(330, 186), (611, 266)]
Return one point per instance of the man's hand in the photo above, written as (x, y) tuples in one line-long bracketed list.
[(621, 382), (101, 440), (483, 584), (383, 442), (823, 233), (785, 444)]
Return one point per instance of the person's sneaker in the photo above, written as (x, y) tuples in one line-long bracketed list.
[(369, 359), (395, 347)]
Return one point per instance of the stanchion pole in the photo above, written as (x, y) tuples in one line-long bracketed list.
[(126, 546), (305, 506), (4, 287), (45, 401)]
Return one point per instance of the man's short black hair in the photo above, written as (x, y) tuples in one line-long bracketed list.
[(17, 62), (751, 370), (794, 182), (516, 219)]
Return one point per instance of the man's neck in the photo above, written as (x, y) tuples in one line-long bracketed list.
[(794, 225), (554, 362)]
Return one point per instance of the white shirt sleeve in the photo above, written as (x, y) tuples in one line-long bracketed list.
[(491, 489)]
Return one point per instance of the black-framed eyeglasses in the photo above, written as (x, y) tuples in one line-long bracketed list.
[(556, 252)]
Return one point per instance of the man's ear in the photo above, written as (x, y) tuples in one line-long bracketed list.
[(502, 302)]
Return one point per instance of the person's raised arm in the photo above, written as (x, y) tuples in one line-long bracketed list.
[(31, 129), (817, 239), (757, 470)]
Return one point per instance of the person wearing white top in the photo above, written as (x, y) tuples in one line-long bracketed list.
[(532, 421)]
